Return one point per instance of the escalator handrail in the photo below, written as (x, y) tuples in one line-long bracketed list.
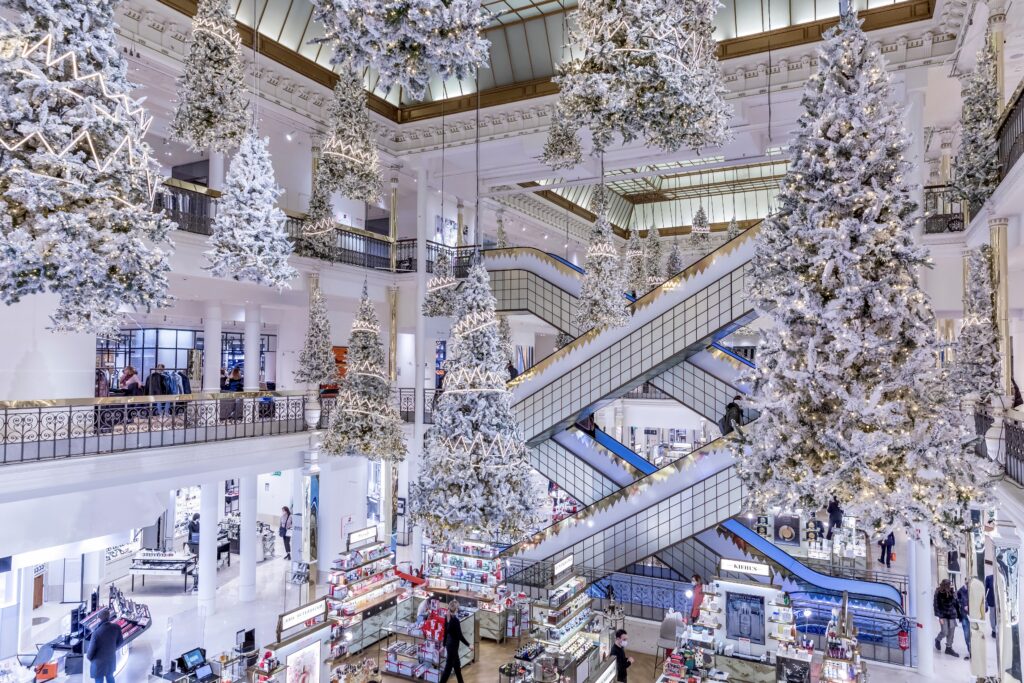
[(732, 354), (672, 469), (623, 451), (869, 589)]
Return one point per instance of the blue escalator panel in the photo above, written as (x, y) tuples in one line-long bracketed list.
[(620, 450), (864, 589), (732, 354)]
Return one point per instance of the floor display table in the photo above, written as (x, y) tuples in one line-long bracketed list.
[(416, 652), (160, 563)]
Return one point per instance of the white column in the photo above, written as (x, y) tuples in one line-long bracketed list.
[(26, 591), (916, 83), (421, 351), (253, 321), (212, 321), (1017, 349), (215, 179), (997, 25), (209, 498), (339, 514), (921, 601), (247, 540)]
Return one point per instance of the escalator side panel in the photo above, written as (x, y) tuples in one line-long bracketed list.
[(697, 389), (520, 291), (690, 557), (576, 477)]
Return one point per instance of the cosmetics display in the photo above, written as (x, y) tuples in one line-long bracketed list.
[(565, 629), (362, 586), (415, 651), (472, 572), (131, 617), (842, 662), (161, 563)]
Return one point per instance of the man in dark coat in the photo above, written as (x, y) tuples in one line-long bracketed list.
[(733, 416), (835, 517), (618, 651), (452, 638), (102, 652)]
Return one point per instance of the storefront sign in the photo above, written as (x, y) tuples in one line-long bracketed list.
[(357, 539), (563, 565), (744, 567), (303, 614)]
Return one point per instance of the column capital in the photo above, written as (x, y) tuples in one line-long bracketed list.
[(998, 221)]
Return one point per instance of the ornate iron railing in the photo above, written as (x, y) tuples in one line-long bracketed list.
[(943, 210), (1014, 449), (348, 247), (461, 257), (982, 422), (1011, 133), (33, 431), (407, 405)]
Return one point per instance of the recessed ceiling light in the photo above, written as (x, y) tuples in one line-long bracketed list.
[(289, 135), (524, 228), (545, 236)]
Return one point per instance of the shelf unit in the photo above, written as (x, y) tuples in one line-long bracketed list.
[(411, 655), (842, 662), (471, 566), (363, 587), (564, 622)]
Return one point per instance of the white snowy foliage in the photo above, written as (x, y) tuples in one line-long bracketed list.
[(475, 473), (318, 238), (601, 303), (501, 237), (249, 241), (508, 349), (652, 254), (700, 231), (349, 161), (407, 41), (211, 108), (563, 148), (976, 170), (647, 69), (732, 231), (365, 420), (316, 360), (77, 179), (635, 264), (852, 402), (441, 288), (977, 363), (675, 260)]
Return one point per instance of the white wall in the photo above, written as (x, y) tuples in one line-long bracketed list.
[(272, 493)]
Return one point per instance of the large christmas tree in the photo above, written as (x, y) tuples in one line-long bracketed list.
[(976, 170), (365, 420), (977, 365), (349, 162), (852, 402), (319, 237), (249, 240), (475, 473), (77, 178), (601, 303), (316, 360), (211, 92)]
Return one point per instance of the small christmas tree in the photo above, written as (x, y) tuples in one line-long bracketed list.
[(562, 149), (601, 303), (500, 238), (211, 108), (441, 288), (77, 179), (249, 240), (652, 253), (976, 171), (733, 230), (508, 349), (852, 403), (475, 473), (365, 421), (349, 162), (977, 364), (636, 264), (675, 260), (316, 360), (700, 231)]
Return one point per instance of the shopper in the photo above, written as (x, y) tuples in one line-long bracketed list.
[(223, 379), (452, 637), (964, 601), (130, 381), (733, 416), (103, 645), (622, 662), (235, 382), (990, 602), (835, 517), (698, 597), (947, 611), (512, 372), (193, 531), (886, 545), (286, 531)]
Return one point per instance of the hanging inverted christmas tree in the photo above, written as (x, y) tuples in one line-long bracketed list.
[(407, 41), (249, 240), (601, 303), (316, 360), (349, 162), (646, 70), (700, 231), (475, 473), (441, 288), (675, 260), (562, 149), (210, 112), (976, 170), (500, 238), (635, 263), (364, 420), (318, 237), (77, 179), (652, 254), (977, 364), (852, 402)]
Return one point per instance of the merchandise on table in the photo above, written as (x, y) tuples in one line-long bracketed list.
[(416, 650), (842, 661), (566, 633), (362, 585)]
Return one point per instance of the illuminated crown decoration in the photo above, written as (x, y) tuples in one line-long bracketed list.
[(112, 106), (217, 30), (472, 322), (318, 226), (360, 325), (348, 402), (366, 369), (358, 154), (438, 283), (602, 250), (466, 380), (486, 446)]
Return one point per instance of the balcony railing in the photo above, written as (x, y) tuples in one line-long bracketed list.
[(407, 405), (35, 431), (1015, 449), (1011, 133), (943, 210), (982, 422), (461, 257)]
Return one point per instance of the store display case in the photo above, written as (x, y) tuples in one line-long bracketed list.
[(416, 652), (842, 662), (472, 572), (160, 563)]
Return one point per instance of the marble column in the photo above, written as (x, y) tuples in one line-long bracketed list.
[(212, 323), (247, 539), (26, 592), (421, 346), (211, 495), (1017, 348), (921, 601), (998, 226), (215, 172), (460, 222), (997, 26), (253, 322)]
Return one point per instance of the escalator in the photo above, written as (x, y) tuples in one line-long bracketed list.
[(583, 446)]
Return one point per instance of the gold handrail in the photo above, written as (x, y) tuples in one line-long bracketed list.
[(515, 252), (143, 400), (191, 187)]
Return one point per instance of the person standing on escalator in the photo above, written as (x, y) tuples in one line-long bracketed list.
[(733, 416)]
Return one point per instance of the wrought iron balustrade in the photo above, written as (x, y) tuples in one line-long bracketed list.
[(407, 405), (982, 422), (943, 210), (1011, 133), (1014, 449), (192, 209), (343, 246)]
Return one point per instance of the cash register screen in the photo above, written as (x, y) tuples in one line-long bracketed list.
[(204, 671), (192, 659)]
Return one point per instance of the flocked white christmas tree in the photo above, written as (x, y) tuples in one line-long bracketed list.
[(349, 161), (364, 420), (700, 231), (501, 237), (475, 473), (852, 403), (407, 41), (635, 262), (249, 240), (508, 349), (318, 237), (77, 179), (732, 231), (316, 360), (563, 148), (976, 366), (441, 288), (652, 254), (675, 263), (210, 112), (646, 69), (976, 170), (601, 303)]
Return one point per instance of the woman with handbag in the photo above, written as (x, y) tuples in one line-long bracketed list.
[(286, 531)]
